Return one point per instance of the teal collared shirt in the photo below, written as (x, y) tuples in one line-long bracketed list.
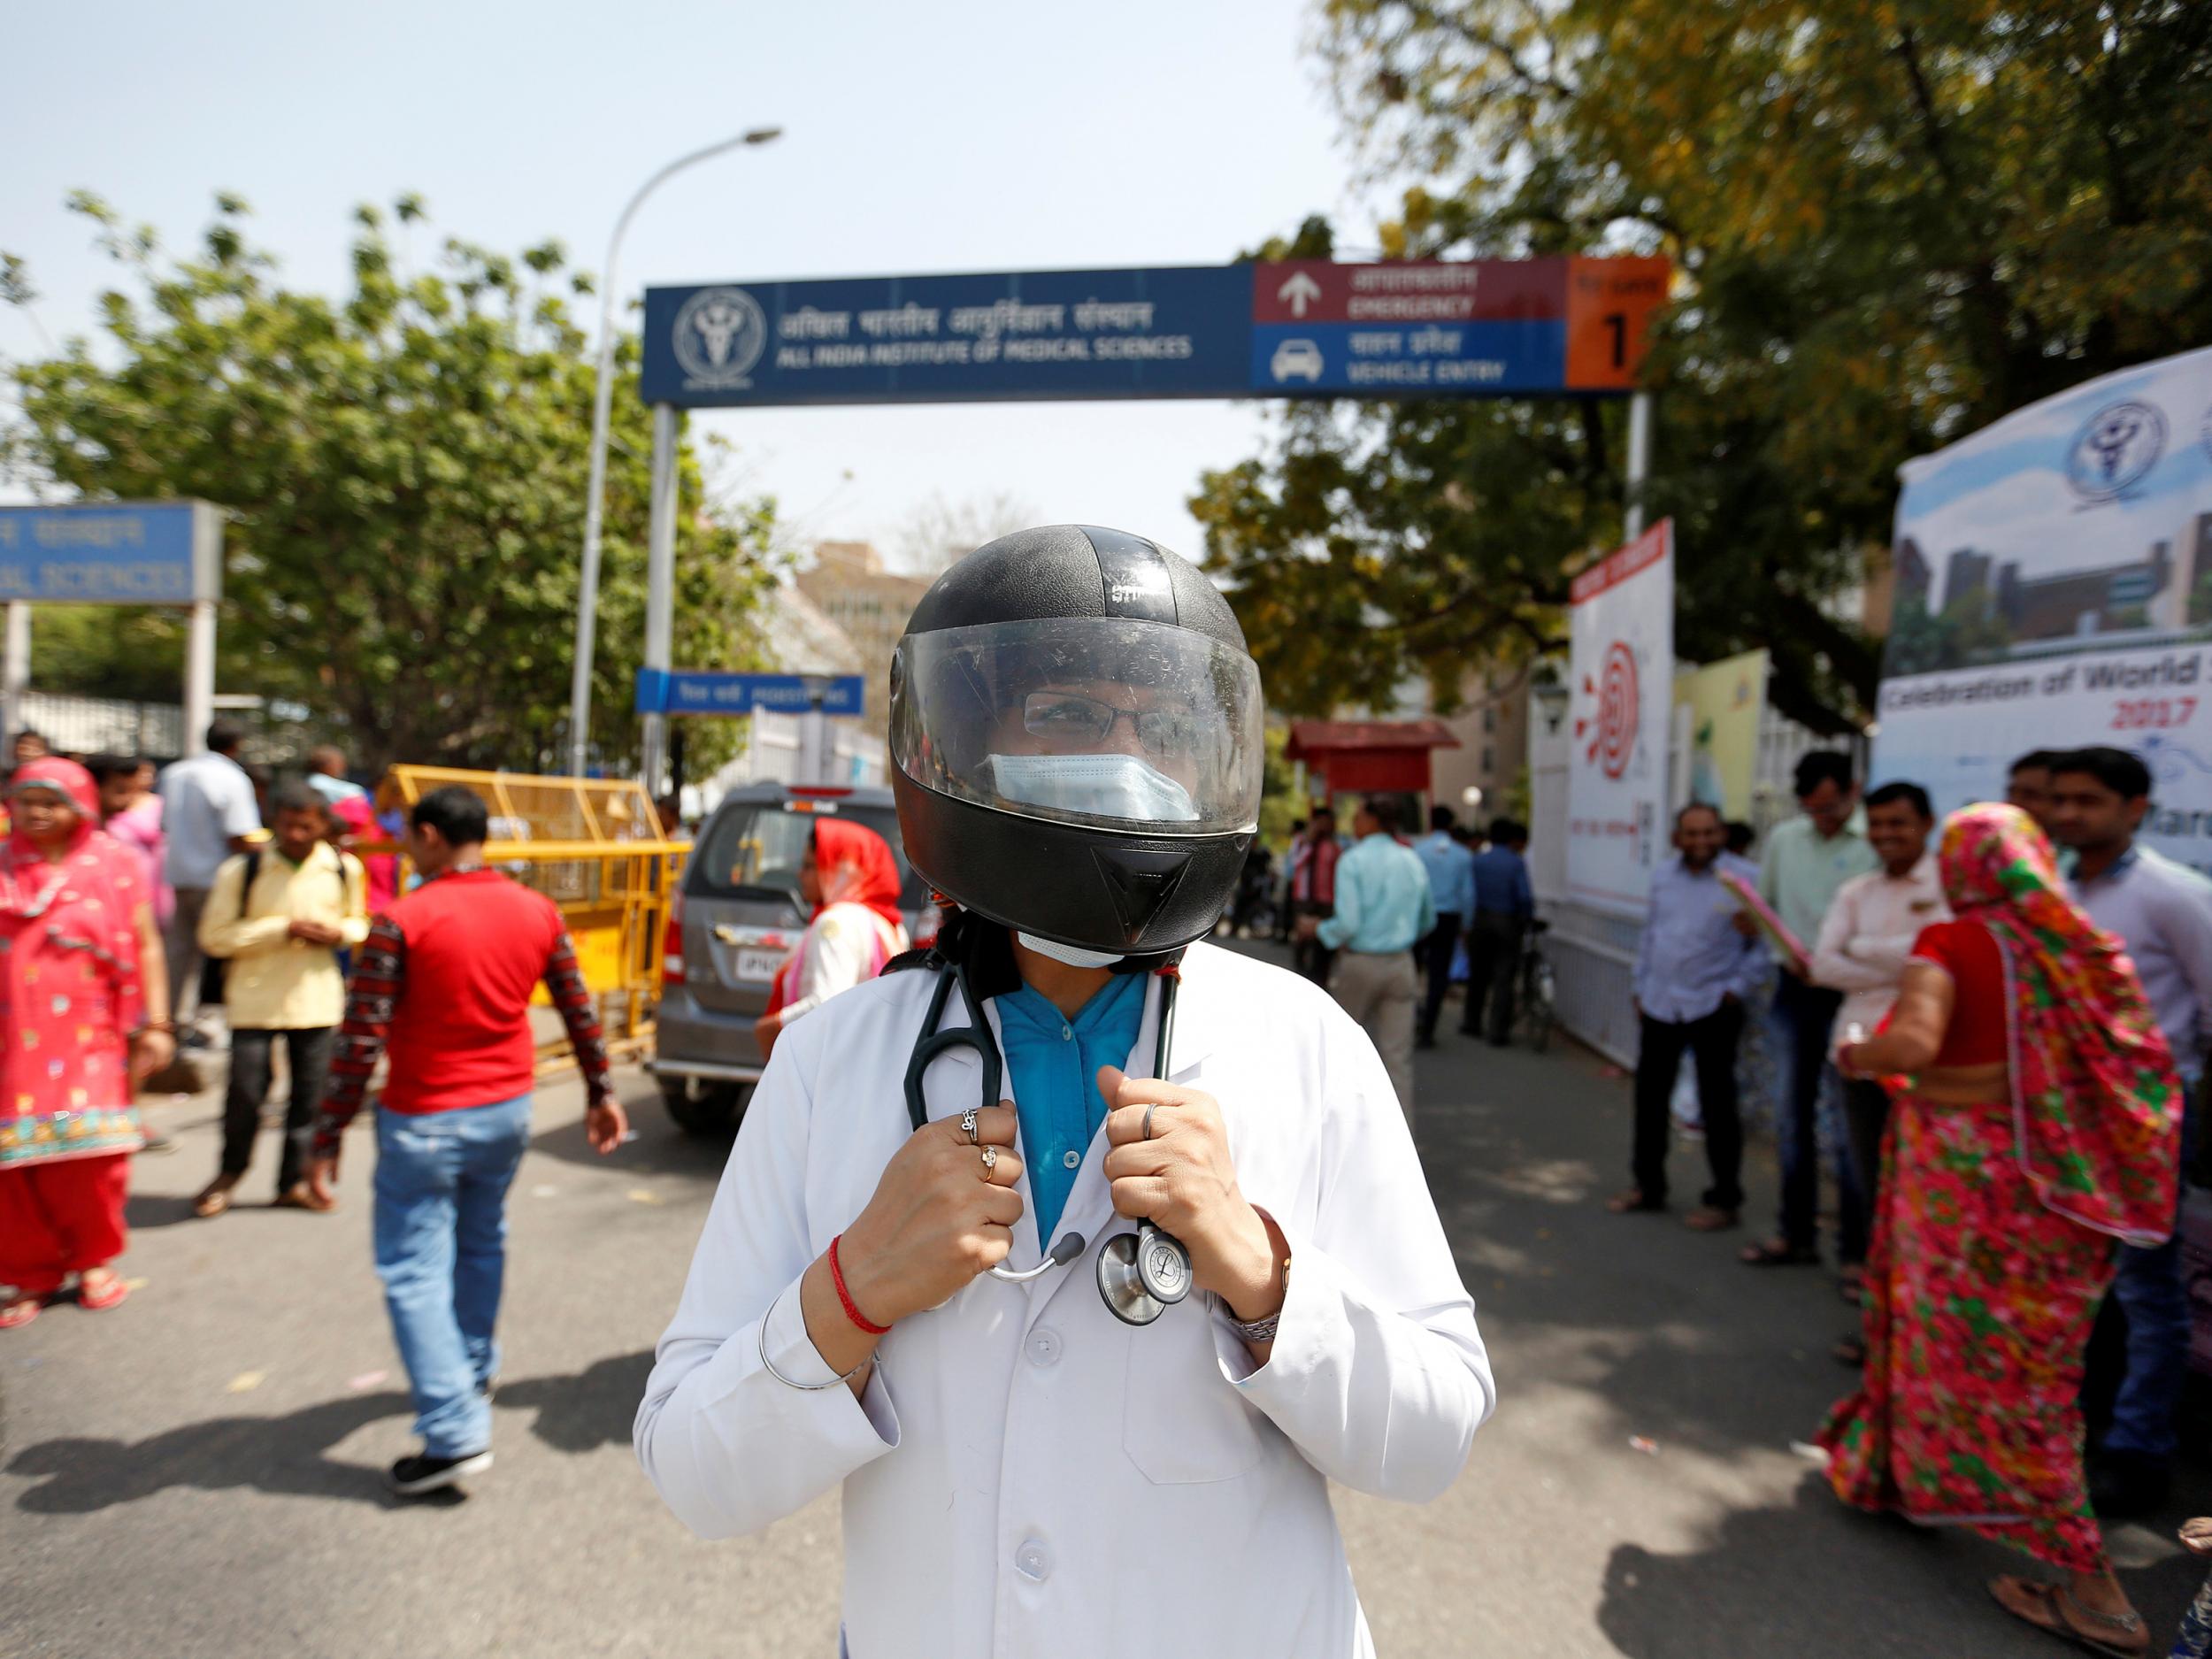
[(1383, 900), (1800, 870), (1054, 1062)]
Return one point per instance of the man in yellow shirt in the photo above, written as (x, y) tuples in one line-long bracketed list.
[(278, 917)]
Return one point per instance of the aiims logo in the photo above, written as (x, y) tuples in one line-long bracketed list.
[(720, 334), (2113, 452)]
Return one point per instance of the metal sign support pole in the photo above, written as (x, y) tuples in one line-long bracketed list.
[(15, 667), (1639, 460), (660, 586), (199, 676)]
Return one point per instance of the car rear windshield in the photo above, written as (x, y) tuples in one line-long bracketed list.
[(755, 852)]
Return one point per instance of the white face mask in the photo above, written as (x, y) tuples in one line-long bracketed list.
[(1100, 786), (1074, 955)]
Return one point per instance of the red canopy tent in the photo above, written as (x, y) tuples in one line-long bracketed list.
[(1386, 756)]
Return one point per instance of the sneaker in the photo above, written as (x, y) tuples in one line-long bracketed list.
[(411, 1477)]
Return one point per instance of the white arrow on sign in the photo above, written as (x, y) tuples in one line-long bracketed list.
[(1301, 291)]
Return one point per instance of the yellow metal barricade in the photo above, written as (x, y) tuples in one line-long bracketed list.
[(594, 846)]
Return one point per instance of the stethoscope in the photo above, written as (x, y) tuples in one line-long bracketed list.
[(1140, 1274)]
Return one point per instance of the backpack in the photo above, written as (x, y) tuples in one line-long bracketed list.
[(215, 970)]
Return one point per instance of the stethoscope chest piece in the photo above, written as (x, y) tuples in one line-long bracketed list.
[(1141, 1274)]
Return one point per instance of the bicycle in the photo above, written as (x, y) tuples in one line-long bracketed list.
[(1538, 991)]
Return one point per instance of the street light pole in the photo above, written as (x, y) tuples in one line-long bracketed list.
[(602, 397)]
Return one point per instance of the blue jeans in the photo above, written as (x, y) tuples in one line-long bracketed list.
[(2149, 1289), (441, 1182), (1800, 1027)]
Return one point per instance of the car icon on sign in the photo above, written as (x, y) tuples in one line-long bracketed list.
[(1297, 359)]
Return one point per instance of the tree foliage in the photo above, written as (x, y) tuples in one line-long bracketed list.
[(404, 473), (1894, 222)]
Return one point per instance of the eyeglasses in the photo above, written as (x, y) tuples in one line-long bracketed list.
[(1070, 717)]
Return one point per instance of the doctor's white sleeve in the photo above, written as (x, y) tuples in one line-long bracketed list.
[(728, 1447), (1378, 1374)]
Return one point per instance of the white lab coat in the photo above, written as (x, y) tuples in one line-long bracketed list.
[(1027, 1476)]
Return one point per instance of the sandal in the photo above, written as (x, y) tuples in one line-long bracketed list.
[(1632, 1201), (214, 1197), (300, 1195), (1711, 1219), (1778, 1253), (2054, 1609), (1851, 1283), (99, 1288), (1851, 1351), (20, 1310)]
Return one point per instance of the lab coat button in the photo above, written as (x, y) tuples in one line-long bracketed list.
[(1032, 1561), (1044, 1346)]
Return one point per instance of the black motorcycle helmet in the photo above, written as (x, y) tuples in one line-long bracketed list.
[(1076, 740)]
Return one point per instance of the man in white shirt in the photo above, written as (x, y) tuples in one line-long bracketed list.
[(207, 812), (1246, 1294), (1864, 939)]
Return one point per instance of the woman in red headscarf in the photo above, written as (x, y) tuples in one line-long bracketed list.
[(2038, 1129), (852, 881), (75, 1040)]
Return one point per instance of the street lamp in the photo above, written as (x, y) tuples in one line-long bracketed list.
[(603, 396), (1551, 702)]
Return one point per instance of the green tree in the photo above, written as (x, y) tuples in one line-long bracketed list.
[(1894, 222), (404, 472)]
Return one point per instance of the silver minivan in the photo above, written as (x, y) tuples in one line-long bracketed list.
[(736, 917)]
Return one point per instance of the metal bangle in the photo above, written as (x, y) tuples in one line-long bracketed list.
[(769, 1366)]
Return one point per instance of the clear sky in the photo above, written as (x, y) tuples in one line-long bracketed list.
[(961, 137)]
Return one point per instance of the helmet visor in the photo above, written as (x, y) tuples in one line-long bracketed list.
[(1086, 720)]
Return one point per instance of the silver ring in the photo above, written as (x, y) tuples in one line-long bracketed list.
[(1148, 1122), (967, 1125), (990, 1160)]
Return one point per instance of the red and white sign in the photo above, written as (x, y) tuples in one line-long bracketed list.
[(1622, 675)]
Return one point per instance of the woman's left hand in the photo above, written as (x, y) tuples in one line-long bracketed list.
[(150, 1050), (1183, 1179)]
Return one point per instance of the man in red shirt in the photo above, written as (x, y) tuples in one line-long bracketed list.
[(443, 984)]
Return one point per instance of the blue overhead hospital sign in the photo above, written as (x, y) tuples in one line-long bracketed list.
[(1299, 328), (163, 553), (705, 691)]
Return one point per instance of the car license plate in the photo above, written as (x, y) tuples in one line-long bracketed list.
[(759, 965)]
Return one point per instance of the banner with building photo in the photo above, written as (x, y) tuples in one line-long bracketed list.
[(1724, 700), (2054, 589), (1621, 670)]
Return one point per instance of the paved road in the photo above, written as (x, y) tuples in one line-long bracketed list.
[(198, 1471)]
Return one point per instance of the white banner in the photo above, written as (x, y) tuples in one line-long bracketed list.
[(1622, 669), (2054, 590)]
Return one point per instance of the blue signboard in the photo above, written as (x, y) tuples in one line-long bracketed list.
[(1177, 333), (688, 691), (1301, 328), (166, 553)]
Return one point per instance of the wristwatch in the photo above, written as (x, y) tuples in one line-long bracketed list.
[(1259, 1329)]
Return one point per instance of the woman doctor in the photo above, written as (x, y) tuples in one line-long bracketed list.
[(1077, 736)]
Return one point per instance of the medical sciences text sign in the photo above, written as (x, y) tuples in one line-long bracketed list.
[(144, 553), (1302, 328)]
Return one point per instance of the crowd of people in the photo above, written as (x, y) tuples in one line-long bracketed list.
[(128, 915), (1388, 924), (2006, 1015)]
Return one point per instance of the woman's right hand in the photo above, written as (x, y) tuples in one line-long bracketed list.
[(937, 1218)]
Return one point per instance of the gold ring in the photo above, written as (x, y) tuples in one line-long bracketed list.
[(990, 1160)]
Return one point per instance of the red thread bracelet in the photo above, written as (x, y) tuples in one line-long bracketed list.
[(845, 1297)]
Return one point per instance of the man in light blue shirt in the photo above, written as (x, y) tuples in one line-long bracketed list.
[(1383, 906), (1693, 971), (2162, 911), (1451, 869)]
